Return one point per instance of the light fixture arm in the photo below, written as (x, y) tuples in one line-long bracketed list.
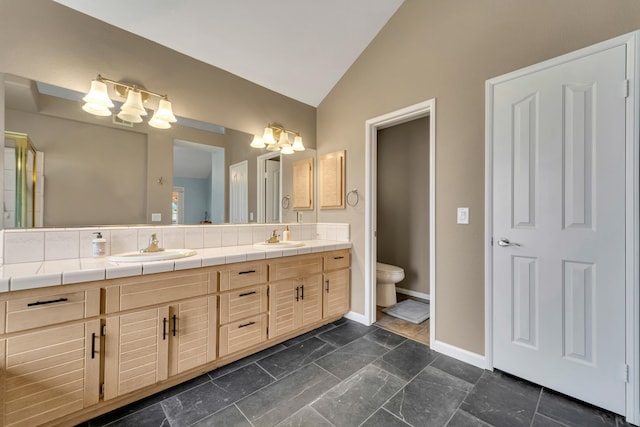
[(123, 88)]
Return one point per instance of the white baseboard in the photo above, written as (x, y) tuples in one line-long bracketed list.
[(460, 354), (357, 317), (411, 293)]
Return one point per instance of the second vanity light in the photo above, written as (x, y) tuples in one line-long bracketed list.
[(276, 138), (97, 102)]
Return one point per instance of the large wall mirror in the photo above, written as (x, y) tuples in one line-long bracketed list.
[(97, 171)]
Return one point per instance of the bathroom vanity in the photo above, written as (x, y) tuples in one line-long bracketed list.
[(71, 352)]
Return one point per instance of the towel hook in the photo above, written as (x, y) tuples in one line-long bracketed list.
[(353, 198)]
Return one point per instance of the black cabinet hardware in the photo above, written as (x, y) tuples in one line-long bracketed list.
[(302, 292), (247, 272), (246, 324), (297, 293), (53, 301), (164, 328), (338, 257), (93, 345), (175, 321), (247, 293), (327, 282)]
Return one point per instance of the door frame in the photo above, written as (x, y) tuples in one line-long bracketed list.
[(260, 184), (632, 245), (412, 112), (245, 166)]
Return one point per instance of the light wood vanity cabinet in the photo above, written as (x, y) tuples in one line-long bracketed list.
[(50, 358), (71, 355)]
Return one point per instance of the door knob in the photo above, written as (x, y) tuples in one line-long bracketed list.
[(505, 242)]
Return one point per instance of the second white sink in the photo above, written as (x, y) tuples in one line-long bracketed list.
[(166, 254)]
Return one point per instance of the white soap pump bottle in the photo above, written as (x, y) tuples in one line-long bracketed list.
[(99, 245), (286, 234)]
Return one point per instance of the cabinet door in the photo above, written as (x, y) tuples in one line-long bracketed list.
[(336, 293), (303, 184), (331, 181), (50, 373), (310, 303), (136, 351), (283, 313), (192, 334)]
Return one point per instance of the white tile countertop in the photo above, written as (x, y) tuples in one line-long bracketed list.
[(28, 275)]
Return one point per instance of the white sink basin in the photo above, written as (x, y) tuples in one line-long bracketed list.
[(279, 245), (166, 254)]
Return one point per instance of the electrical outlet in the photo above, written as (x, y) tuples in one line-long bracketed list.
[(463, 215), (156, 217), (299, 216)]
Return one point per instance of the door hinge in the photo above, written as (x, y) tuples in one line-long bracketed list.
[(626, 374), (267, 292), (626, 88), (102, 389), (104, 330)]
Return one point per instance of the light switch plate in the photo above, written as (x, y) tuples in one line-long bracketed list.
[(156, 217), (463, 215)]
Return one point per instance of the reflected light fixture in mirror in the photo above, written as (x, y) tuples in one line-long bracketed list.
[(276, 138), (97, 102)]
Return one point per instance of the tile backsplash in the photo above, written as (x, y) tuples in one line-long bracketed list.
[(43, 244)]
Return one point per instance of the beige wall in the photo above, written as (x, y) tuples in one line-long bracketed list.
[(403, 201), (45, 41), (447, 49)]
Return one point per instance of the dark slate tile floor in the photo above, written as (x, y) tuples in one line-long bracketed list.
[(346, 374)]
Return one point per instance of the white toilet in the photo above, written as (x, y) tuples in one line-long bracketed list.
[(386, 278)]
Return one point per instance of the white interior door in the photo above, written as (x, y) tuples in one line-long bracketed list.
[(272, 190), (238, 193), (559, 227)]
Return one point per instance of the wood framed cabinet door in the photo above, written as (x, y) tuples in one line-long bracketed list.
[(294, 303), (50, 373), (192, 340), (310, 304), (136, 351), (337, 293)]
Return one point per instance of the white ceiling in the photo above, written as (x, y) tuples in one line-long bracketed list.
[(299, 48)]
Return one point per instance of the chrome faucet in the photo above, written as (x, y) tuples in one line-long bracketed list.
[(274, 237), (153, 245)]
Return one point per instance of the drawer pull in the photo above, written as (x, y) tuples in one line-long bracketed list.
[(302, 292), (246, 324), (247, 293), (93, 345), (53, 301), (338, 257), (327, 282), (297, 293), (175, 321), (164, 328), (247, 272)]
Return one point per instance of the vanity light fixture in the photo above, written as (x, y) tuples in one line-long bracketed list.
[(97, 102), (276, 138)]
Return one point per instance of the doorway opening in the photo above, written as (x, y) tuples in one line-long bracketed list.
[(269, 187), (421, 110)]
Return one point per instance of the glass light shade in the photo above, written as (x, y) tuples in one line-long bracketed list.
[(273, 147), (96, 110), (257, 142), (133, 105), (98, 95), (284, 140), (287, 150), (158, 123), (129, 117), (297, 144), (267, 137), (164, 112)]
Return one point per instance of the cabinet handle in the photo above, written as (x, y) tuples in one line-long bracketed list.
[(164, 328), (246, 324), (93, 345), (327, 282), (247, 293), (338, 257), (53, 301), (302, 292), (297, 295), (175, 321), (247, 272)]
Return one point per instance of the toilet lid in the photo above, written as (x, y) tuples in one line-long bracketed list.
[(388, 268)]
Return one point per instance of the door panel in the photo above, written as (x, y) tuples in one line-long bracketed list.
[(559, 201)]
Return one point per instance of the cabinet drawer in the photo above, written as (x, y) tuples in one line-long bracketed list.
[(161, 288), (243, 274), (337, 260), (242, 334), (294, 267), (50, 309), (243, 303)]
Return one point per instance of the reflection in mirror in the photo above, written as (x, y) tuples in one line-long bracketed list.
[(101, 171), (198, 183), (22, 173)]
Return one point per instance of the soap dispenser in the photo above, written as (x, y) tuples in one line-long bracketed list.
[(99, 245), (286, 235)]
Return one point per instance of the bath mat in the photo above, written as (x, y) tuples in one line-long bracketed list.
[(409, 310)]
